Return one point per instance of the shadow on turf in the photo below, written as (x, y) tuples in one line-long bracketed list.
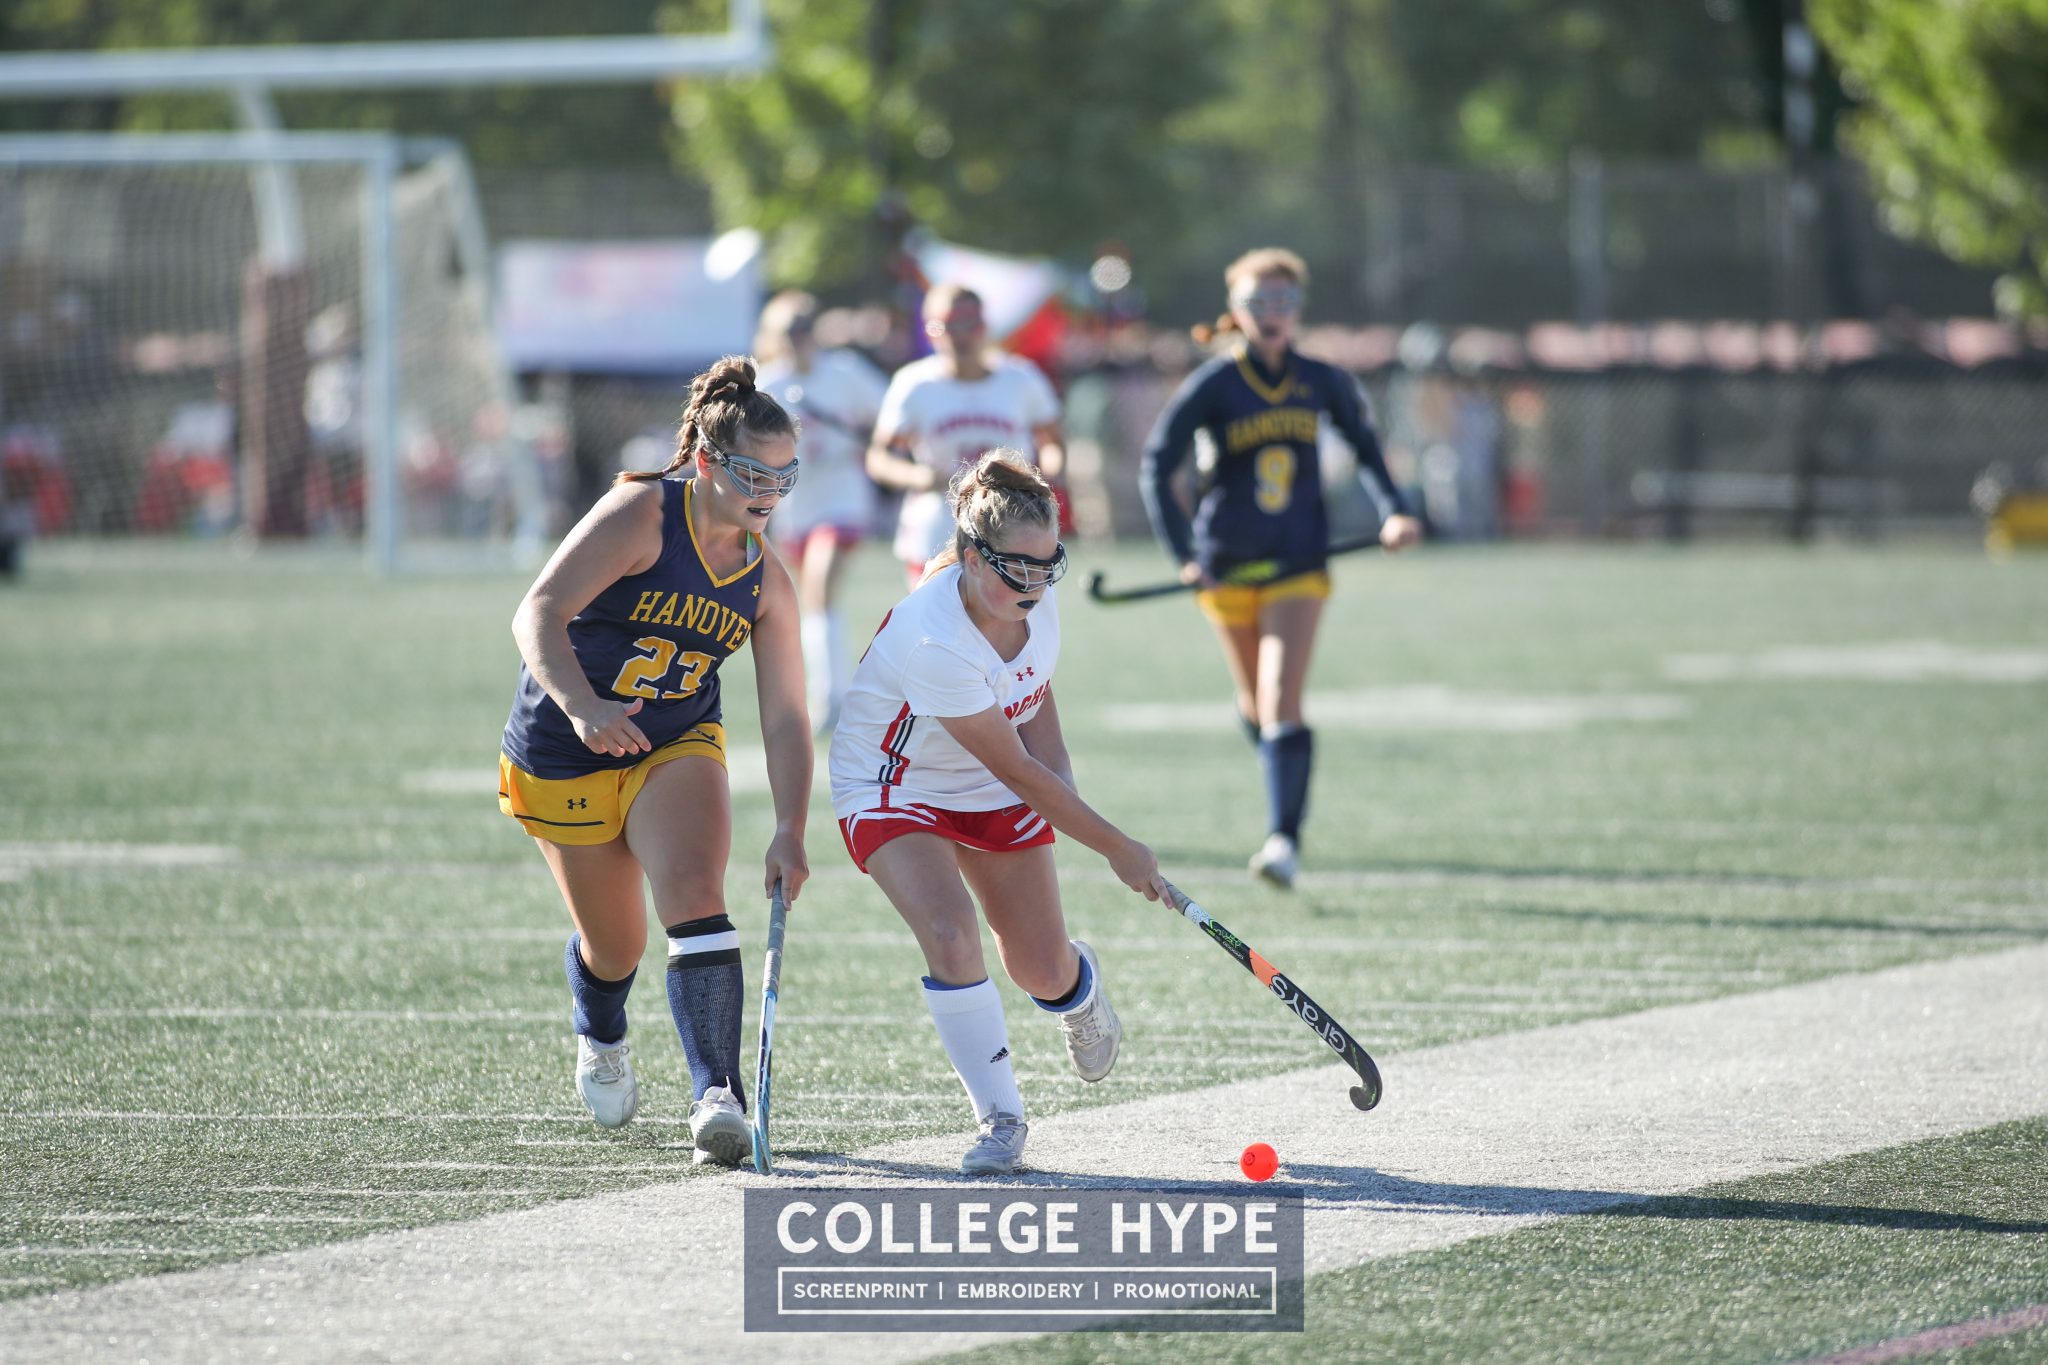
[(1365, 1189)]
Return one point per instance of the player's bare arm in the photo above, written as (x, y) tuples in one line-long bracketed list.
[(994, 742), (1043, 740), (785, 724), (891, 465), (618, 537), (1051, 443)]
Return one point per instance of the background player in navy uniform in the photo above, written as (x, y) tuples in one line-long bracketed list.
[(615, 756), (1260, 508)]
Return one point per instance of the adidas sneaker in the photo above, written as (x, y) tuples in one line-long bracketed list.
[(1000, 1148), (1092, 1029)]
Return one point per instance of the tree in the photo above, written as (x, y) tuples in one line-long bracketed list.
[(1040, 126), (1954, 127)]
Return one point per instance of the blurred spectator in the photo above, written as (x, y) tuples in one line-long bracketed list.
[(38, 486), (1446, 437), (944, 412), (188, 483), (334, 423), (835, 395)]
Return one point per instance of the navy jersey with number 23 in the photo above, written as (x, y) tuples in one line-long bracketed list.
[(658, 636)]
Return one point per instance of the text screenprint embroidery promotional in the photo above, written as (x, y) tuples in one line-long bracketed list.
[(1031, 1260)]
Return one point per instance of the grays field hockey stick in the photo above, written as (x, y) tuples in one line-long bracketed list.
[(1244, 575), (764, 1057), (1366, 1094)]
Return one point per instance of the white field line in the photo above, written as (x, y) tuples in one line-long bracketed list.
[(1422, 707), (1473, 1139), (1895, 661), (18, 856), (246, 1219), (89, 1253), (1747, 882), (338, 1192)]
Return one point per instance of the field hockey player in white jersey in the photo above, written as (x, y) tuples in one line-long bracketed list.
[(836, 394), (949, 776), (943, 412)]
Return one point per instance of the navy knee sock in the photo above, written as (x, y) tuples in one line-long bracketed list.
[(706, 985), (1250, 728), (1287, 753), (599, 1008)]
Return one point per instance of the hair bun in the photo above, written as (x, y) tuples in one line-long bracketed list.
[(731, 378)]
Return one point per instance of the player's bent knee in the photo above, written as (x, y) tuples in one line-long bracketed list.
[(1043, 980), (675, 905), (612, 957), (953, 951)]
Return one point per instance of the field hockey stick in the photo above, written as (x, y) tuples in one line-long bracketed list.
[(764, 1057), (1367, 1093), (1244, 575)]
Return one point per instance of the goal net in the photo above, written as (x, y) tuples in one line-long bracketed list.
[(173, 365)]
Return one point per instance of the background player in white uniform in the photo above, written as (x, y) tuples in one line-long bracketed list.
[(949, 775), (836, 394), (943, 412)]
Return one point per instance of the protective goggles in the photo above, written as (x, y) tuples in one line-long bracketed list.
[(1025, 573), (751, 477), (1270, 300)]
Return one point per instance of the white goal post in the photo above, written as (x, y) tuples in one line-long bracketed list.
[(120, 327), (148, 341)]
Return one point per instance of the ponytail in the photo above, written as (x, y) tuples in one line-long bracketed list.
[(997, 491)]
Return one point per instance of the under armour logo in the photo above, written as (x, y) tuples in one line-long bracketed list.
[(579, 803), (999, 1056), (1027, 673)]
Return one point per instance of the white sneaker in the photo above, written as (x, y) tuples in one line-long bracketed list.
[(1093, 1031), (1277, 862), (719, 1128), (604, 1077), (1000, 1148)]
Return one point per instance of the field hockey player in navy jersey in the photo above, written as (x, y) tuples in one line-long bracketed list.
[(614, 755), (1258, 541)]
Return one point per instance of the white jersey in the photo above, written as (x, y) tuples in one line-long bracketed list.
[(927, 661), (950, 423), (837, 400)]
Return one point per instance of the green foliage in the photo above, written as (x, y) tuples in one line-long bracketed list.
[(1522, 82), (1039, 126), (1954, 126)]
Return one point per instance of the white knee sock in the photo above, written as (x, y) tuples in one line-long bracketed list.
[(838, 666), (817, 637), (971, 1029)]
